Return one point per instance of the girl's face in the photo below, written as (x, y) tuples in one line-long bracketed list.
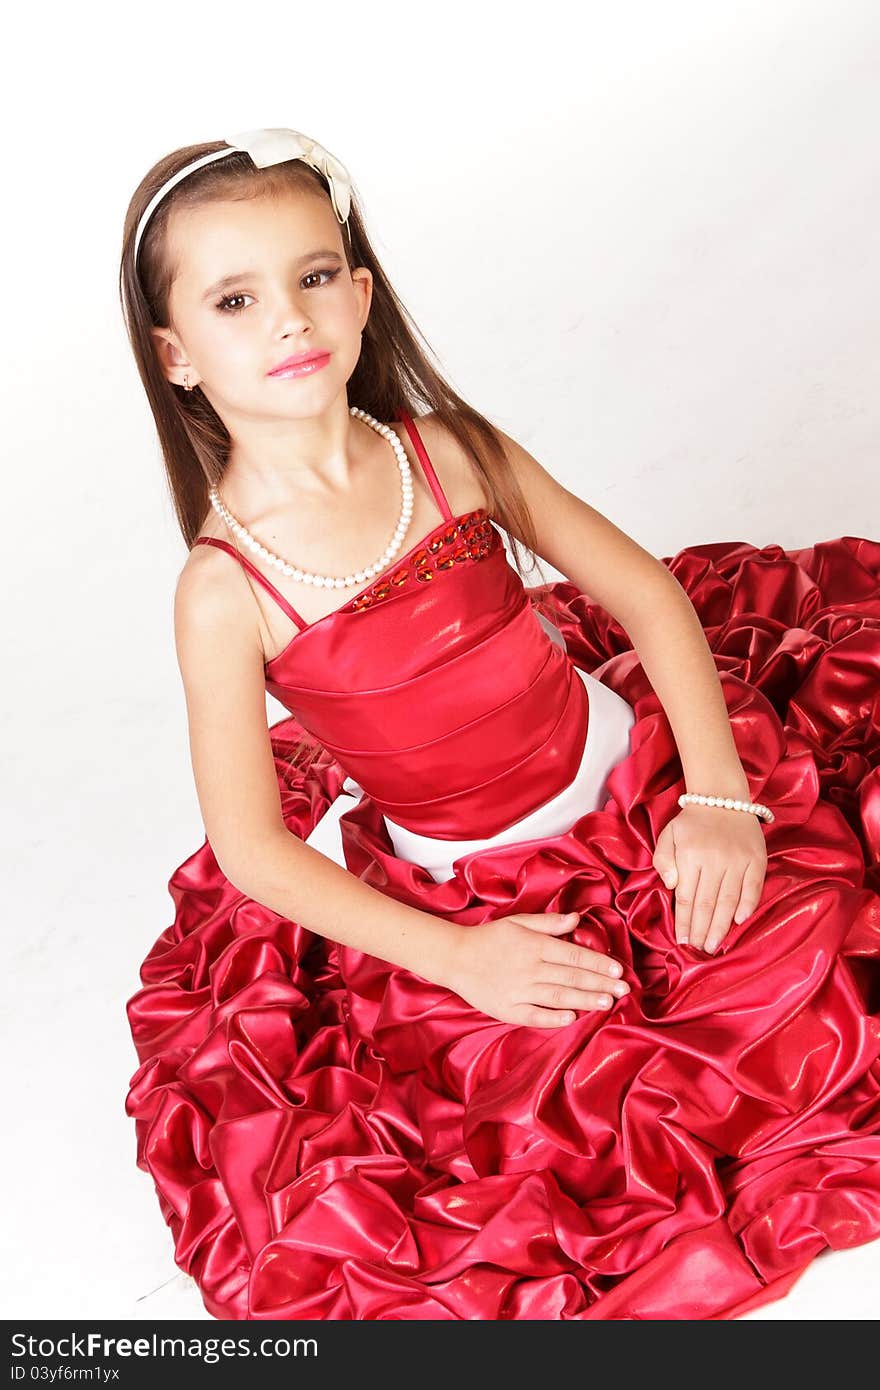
[(258, 280)]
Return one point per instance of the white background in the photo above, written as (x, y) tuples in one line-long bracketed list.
[(642, 238)]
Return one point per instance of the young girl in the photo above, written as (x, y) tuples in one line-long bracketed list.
[(526, 968)]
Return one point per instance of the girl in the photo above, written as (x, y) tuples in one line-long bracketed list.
[(527, 963)]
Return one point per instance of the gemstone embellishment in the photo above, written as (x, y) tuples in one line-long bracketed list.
[(466, 539)]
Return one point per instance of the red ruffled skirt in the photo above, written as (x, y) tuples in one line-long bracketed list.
[(332, 1137)]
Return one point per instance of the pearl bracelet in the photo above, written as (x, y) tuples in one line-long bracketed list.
[(755, 807)]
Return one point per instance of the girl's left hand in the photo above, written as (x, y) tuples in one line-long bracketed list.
[(715, 858)]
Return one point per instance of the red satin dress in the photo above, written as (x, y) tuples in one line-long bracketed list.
[(333, 1137)]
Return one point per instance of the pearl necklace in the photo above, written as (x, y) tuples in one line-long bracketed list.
[(329, 581)]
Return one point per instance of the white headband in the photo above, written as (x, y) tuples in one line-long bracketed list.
[(265, 147)]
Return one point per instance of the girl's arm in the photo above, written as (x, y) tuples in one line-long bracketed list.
[(638, 590), (714, 858), (221, 662)]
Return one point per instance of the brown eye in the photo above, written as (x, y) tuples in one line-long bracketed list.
[(329, 274), (230, 299)]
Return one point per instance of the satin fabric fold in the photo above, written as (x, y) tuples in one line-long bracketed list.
[(331, 1137)]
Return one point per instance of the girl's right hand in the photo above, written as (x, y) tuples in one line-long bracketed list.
[(514, 969)]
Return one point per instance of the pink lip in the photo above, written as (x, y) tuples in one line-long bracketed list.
[(301, 363)]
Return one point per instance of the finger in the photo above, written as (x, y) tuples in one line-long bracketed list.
[(728, 897), (704, 905), (752, 887), (688, 879), (553, 922), (531, 1016), (561, 997), (581, 957), (572, 978)]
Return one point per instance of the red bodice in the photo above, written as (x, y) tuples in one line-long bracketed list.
[(437, 687)]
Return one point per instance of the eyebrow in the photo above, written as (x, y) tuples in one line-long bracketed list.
[(229, 280)]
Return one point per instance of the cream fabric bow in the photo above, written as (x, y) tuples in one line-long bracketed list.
[(267, 147)]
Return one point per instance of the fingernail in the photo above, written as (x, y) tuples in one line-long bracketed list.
[(710, 946), (615, 969), (621, 988)]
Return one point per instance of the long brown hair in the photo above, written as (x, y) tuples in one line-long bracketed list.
[(393, 369)]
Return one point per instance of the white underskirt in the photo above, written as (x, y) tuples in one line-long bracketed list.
[(610, 721)]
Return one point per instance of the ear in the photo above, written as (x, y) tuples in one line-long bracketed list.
[(362, 279), (172, 360)]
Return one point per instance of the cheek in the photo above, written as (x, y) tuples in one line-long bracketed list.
[(342, 316), (226, 353), (343, 304), (339, 327)]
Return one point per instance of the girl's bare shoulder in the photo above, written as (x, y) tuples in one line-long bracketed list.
[(212, 603), (454, 467)]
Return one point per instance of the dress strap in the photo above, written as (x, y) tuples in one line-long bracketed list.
[(252, 569), (427, 466)]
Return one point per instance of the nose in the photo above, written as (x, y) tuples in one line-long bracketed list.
[(291, 314)]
